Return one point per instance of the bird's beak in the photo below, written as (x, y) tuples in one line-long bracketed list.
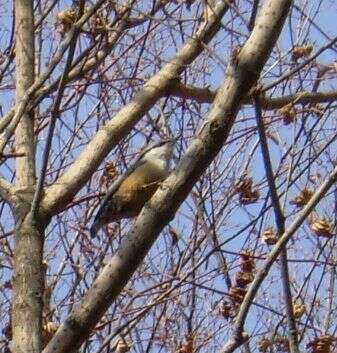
[(171, 139)]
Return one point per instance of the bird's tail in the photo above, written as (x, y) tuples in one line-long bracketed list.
[(94, 228)]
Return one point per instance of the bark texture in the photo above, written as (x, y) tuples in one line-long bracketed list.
[(242, 75), (28, 280), (66, 187)]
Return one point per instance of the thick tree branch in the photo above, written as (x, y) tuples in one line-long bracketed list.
[(28, 274), (206, 95), (242, 74), (65, 188), (6, 120)]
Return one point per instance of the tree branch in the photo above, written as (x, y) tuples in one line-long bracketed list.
[(206, 95), (80, 68), (15, 115), (242, 74), (54, 116), (27, 303), (280, 224), (301, 66), (263, 272), (66, 187), (85, 62)]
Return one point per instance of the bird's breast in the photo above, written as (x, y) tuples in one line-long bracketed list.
[(139, 186)]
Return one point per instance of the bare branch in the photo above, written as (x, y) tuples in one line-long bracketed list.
[(242, 75), (302, 65), (54, 116), (280, 224), (65, 188), (263, 272), (207, 95), (79, 69), (15, 115), (187, 292), (27, 305)]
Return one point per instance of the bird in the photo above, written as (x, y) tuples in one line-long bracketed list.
[(127, 196)]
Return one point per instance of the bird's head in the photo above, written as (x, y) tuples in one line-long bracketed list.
[(162, 150)]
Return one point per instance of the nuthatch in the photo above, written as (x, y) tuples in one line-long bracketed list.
[(127, 196)]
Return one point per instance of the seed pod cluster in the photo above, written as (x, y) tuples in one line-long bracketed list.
[(302, 198), (302, 51), (277, 344), (321, 344), (187, 346), (243, 277), (247, 194), (322, 227), (269, 236), (299, 310), (64, 20)]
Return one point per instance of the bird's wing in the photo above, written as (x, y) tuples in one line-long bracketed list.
[(109, 194)]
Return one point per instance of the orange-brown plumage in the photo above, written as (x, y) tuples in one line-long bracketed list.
[(127, 196)]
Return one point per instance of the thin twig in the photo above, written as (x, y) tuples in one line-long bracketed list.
[(236, 341), (301, 66), (55, 113), (21, 108), (113, 131)]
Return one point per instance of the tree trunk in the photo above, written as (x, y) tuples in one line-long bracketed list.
[(28, 283)]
